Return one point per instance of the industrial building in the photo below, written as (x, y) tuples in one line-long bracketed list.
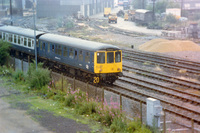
[(53, 8)]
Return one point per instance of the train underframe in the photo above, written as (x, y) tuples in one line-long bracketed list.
[(67, 70)]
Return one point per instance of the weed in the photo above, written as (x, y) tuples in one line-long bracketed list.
[(19, 76), (39, 78)]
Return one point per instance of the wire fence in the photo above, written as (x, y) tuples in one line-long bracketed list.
[(131, 107)]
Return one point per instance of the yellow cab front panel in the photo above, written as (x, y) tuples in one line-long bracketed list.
[(108, 62)]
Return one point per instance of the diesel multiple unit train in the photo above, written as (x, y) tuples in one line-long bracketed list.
[(92, 61)]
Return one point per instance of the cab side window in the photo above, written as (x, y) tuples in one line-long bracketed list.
[(100, 57), (0, 35), (117, 56)]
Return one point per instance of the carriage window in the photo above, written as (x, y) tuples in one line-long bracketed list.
[(18, 39), (40, 45), (15, 39), (87, 57), (52, 48), (37, 43), (80, 55), (59, 50), (33, 43), (56, 50), (25, 41), (48, 47), (71, 54), (75, 54), (117, 56), (10, 38), (65, 51), (43, 46), (29, 42), (110, 57), (4, 36), (22, 41), (100, 57), (0, 35)]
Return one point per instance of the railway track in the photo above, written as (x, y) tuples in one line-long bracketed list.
[(162, 89), (169, 105), (163, 61), (163, 77)]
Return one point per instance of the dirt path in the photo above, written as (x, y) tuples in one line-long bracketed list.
[(15, 119)]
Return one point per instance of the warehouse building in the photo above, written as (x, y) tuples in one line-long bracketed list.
[(53, 8)]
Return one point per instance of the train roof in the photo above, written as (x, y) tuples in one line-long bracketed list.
[(20, 31), (77, 43)]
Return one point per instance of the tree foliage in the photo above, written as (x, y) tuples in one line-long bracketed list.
[(171, 19), (4, 52)]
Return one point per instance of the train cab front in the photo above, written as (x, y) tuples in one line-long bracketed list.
[(107, 66)]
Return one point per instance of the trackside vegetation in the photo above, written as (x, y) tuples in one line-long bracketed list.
[(39, 82), (4, 52)]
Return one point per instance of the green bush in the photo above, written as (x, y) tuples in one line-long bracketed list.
[(39, 78), (87, 108), (69, 101), (32, 68), (19, 76), (4, 52), (134, 126), (118, 125)]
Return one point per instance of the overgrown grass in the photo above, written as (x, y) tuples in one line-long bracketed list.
[(109, 115)]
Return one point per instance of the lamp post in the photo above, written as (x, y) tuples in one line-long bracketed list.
[(153, 9), (34, 5), (11, 23)]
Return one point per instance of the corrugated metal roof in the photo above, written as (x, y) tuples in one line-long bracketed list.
[(20, 31), (76, 42)]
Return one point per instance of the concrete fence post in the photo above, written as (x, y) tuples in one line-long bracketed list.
[(74, 84), (120, 102), (102, 95), (29, 60), (87, 91), (141, 112), (14, 64), (164, 121), (192, 125), (62, 81), (22, 65)]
